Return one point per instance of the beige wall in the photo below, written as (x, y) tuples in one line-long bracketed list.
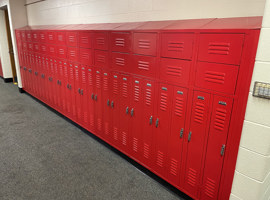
[(94, 11)]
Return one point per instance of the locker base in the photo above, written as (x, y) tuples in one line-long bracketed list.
[(21, 90), (8, 80)]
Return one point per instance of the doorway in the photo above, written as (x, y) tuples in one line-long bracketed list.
[(10, 47)]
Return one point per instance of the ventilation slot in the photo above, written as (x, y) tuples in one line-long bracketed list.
[(135, 144), (144, 44), (146, 150), (91, 119), (199, 113), (115, 86), (176, 46), (174, 71), (148, 97), (219, 48), (160, 159), (85, 56), (120, 61), (106, 128), (124, 138), (192, 177), (163, 101), (125, 90), (90, 78), (105, 83), (173, 167), (210, 187), (220, 119), (99, 124), (98, 81), (119, 42), (115, 133), (101, 58), (143, 65), (179, 103), (214, 77), (71, 38), (84, 40), (83, 77), (100, 41), (137, 93)]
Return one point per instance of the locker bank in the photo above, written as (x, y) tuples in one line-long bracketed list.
[(182, 98)]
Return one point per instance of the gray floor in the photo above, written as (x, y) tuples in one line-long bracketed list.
[(43, 156)]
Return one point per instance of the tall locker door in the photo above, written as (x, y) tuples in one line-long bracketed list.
[(77, 93), (65, 83), (48, 78), (162, 127), (126, 112), (43, 79), (56, 84), (115, 92), (37, 71), (84, 94), (106, 102), (53, 83), (71, 94), (98, 101), (176, 134), (61, 85), (196, 139), (219, 125), (90, 87), (136, 103), (149, 93)]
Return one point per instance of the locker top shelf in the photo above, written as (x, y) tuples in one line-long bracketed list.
[(237, 23)]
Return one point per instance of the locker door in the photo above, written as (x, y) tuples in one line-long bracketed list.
[(107, 110), (136, 121), (85, 40), (61, 85), (71, 38), (43, 79), (149, 92), (48, 79), (66, 100), (162, 127), (57, 85), (73, 90), (53, 82), (220, 119), (61, 38), (98, 101), (196, 137), (77, 93), (127, 111), (176, 134), (83, 93), (90, 101), (115, 92)]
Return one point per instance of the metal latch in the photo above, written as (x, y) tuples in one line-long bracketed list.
[(222, 150), (181, 132)]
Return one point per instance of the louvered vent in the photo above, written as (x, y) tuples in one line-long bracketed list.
[(215, 77), (220, 119), (220, 48), (175, 46), (199, 112)]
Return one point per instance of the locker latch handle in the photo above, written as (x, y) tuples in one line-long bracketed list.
[(68, 86), (189, 136), (132, 112), (127, 110), (95, 97), (112, 104), (151, 120), (181, 133), (81, 91), (108, 102), (92, 96), (157, 121), (222, 150)]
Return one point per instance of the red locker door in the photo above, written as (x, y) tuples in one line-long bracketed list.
[(66, 100), (78, 98), (115, 93), (101, 59), (136, 103), (62, 52), (120, 41), (61, 38), (145, 43), (176, 134), (126, 112), (51, 37), (35, 36), (42, 36), (72, 54), (84, 95), (149, 95), (85, 56), (196, 139), (162, 127), (121, 62), (220, 120), (36, 47), (61, 85), (101, 40), (52, 50), (28, 36), (85, 40), (91, 95), (73, 68), (98, 101), (56, 80), (52, 83), (71, 38), (144, 65), (107, 110)]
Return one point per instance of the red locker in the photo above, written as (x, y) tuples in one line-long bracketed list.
[(85, 56), (51, 37), (42, 36), (120, 41), (145, 43), (196, 138), (30, 46), (144, 65), (177, 134), (61, 84), (148, 122), (28, 36), (121, 62), (61, 38), (218, 77), (100, 40), (62, 52), (127, 112), (221, 48), (73, 90), (72, 54), (98, 101), (91, 95), (23, 35), (177, 45), (175, 71), (66, 85), (85, 40), (35, 37), (78, 101), (101, 59), (219, 125), (84, 95), (72, 38), (36, 47), (52, 50), (43, 49), (165, 94)]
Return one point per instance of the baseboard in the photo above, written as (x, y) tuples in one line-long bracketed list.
[(21, 90), (8, 80)]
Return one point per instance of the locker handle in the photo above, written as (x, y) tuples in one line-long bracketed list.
[(96, 97), (81, 91), (108, 102), (157, 121), (189, 136), (112, 104), (92, 96), (132, 112), (181, 133), (60, 83), (222, 150), (68, 86), (127, 110), (151, 120)]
